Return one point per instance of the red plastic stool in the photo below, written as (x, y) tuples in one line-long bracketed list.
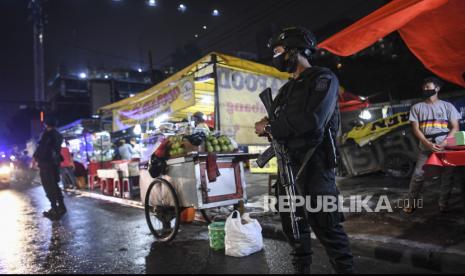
[(126, 188), (110, 186), (93, 181), (118, 188), (103, 183)]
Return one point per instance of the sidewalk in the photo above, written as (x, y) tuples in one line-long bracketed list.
[(425, 239)]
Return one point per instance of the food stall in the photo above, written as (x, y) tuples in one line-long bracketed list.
[(81, 139), (224, 88), (89, 145)]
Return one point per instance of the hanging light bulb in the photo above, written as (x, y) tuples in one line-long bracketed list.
[(365, 115)]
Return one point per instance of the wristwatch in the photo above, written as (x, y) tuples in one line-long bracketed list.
[(267, 128)]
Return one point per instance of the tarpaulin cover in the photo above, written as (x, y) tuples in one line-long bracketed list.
[(434, 30), (350, 102)]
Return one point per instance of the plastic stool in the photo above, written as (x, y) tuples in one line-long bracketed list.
[(103, 183), (93, 181), (110, 186), (117, 188), (126, 185)]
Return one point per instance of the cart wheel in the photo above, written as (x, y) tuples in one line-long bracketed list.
[(162, 210)]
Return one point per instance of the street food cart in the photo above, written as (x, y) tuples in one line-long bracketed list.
[(226, 90), (187, 185)]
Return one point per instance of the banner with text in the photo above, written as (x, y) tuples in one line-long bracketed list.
[(239, 103), (168, 100)]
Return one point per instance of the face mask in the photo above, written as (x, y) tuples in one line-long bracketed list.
[(285, 65), (429, 93)]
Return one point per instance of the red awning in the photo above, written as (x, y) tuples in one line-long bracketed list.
[(434, 30)]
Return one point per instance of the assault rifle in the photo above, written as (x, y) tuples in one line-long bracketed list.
[(286, 175)]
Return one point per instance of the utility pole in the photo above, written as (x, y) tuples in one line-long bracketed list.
[(37, 17)]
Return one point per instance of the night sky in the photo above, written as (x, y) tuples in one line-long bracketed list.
[(118, 34)]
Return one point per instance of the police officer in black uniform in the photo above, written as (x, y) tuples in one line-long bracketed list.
[(307, 122), (48, 157)]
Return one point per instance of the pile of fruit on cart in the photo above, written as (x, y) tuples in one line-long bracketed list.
[(179, 145), (219, 144)]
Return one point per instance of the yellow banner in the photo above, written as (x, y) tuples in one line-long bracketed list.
[(239, 103), (372, 131), (168, 100), (271, 167)]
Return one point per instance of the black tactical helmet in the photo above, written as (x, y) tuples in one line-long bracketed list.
[(294, 38)]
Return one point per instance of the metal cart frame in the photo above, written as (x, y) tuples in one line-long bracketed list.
[(186, 185)]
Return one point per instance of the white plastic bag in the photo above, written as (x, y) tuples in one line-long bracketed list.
[(242, 239)]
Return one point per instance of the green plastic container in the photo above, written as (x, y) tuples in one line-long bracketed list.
[(460, 138), (216, 235)]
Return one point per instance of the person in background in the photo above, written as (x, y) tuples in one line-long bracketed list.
[(48, 158), (23, 170), (116, 155), (25, 159), (200, 124), (125, 150), (67, 168), (135, 148), (433, 120), (80, 173)]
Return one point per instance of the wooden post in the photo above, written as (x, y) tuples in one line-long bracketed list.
[(217, 97)]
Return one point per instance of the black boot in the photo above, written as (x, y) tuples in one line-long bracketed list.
[(61, 210), (301, 264), (51, 214), (301, 268), (342, 268)]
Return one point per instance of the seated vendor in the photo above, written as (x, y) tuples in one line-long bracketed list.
[(200, 124)]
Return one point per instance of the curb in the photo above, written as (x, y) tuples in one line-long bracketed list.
[(427, 256), (121, 201)]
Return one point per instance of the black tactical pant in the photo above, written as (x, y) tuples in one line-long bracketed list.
[(50, 176), (316, 180)]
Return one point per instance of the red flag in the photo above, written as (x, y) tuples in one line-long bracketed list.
[(434, 30)]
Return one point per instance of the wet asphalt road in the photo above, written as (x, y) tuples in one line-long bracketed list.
[(102, 237)]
